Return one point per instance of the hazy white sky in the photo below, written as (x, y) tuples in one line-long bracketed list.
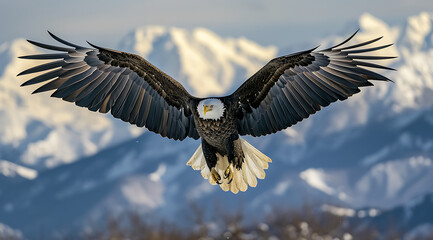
[(271, 22)]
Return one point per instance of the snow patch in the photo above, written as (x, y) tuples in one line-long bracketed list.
[(160, 171), (316, 179), (281, 187), (10, 169), (374, 158), (338, 211), (143, 193)]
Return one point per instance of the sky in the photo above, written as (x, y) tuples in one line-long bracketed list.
[(272, 22)]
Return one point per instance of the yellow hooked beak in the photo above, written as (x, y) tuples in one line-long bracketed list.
[(207, 108)]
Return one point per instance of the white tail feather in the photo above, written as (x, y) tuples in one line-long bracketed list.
[(253, 167)]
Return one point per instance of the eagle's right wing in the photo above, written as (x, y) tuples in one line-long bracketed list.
[(105, 80)]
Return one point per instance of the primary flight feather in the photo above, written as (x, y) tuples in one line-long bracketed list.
[(283, 92)]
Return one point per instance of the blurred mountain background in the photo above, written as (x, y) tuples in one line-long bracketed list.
[(368, 159)]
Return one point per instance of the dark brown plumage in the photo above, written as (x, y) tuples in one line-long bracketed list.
[(290, 88), (282, 93), (125, 84)]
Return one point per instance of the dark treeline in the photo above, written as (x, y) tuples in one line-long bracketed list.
[(306, 223)]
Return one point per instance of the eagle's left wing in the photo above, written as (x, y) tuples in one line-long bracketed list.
[(290, 88)]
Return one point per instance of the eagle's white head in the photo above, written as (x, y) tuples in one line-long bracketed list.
[(210, 108)]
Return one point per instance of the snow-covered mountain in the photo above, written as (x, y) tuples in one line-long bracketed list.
[(148, 175), (374, 150), (40, 132), (205, 63)]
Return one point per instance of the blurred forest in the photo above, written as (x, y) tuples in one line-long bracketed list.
[(306, 223)]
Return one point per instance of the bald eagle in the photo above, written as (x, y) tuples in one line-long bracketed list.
[(283, 92)]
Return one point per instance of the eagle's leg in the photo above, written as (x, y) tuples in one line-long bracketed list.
[(209, 153), (235, 156)]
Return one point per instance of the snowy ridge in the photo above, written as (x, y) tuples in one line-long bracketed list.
[(385, 185), (206, 64), (413, 46)]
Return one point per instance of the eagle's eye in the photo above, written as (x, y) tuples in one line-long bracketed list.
[(207, 108)]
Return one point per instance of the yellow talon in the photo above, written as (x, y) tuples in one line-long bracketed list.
[(228, 173), (215, 176)]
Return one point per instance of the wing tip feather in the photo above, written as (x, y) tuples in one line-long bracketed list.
[(51, 34), (93, 45), (64, 41), (345, 41), (32, 42)]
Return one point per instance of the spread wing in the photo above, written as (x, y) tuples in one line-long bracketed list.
[(290, 88), (125, 84)]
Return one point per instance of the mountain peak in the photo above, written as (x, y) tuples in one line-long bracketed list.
[(140, 40), (205, 63), (419, 32)]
